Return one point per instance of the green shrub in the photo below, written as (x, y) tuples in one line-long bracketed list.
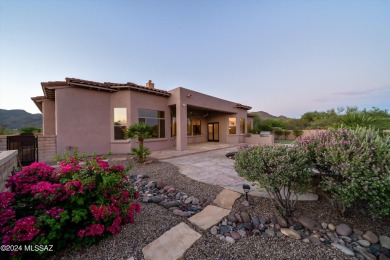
[(283, 171), (141, 153), (355, 165), (30, 130)]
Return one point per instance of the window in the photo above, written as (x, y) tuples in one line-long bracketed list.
[(232, 126), (196, 130), (189, 124), (242, 126), (249, 126), (173, 126), (154, 119), (193, 126), (120, 122)]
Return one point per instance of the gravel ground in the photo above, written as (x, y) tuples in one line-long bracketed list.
[(154, 220)]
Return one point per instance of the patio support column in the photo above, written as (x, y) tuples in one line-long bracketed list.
[(181, 123)]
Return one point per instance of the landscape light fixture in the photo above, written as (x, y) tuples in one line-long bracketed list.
[(246, 188)]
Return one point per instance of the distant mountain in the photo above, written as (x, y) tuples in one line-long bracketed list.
[(264, 115), (17, 118)]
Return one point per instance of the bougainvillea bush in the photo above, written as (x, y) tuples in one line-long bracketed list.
[(283, 171), (355, 168), (78, 203)]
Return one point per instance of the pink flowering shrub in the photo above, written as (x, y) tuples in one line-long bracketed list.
[(75, 204), (355, 168)]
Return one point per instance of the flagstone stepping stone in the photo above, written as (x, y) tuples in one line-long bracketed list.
[(226, 199), (209, 216), (172, 244)]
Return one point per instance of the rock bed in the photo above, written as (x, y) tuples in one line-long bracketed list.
[(154, 220), (167, 196), (352, 242)]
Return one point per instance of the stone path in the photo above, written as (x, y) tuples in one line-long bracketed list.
[(209, 216), (176, 241), (172, 244), (226, 199)]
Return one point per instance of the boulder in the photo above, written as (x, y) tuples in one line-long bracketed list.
[(310, 223), (385, 241), (343, 230), (281, 221), (371, 237), (290, 233)]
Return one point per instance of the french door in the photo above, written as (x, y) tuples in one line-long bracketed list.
[(213, 132)]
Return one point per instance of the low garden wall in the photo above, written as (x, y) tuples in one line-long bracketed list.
[(8, 162), (47, 148), (305, 133), (259, 140)]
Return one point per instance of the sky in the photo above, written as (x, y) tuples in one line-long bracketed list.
[(282, 57)]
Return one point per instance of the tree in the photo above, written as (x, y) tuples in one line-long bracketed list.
[(278, 133), (141, 131), (30, 130), (286, 133), (297, 132), (375, 118)]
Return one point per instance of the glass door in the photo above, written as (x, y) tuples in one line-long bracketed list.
[(213, 132)]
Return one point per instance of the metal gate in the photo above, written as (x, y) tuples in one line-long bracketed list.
[(27, 146)]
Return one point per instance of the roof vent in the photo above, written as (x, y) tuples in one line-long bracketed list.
[(150, 85)]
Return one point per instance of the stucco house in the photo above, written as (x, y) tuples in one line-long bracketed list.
[(93, 115)]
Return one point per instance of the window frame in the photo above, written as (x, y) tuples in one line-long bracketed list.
[(242, 124), (121, 124), (160, 117), (232, 126)]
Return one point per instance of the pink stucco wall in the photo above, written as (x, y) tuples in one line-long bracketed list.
[(83, 120), (48, 117)]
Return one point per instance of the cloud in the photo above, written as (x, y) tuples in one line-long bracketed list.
[(362, 92), (354, 94)]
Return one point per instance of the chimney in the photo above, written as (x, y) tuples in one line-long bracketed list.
[(150, 84)]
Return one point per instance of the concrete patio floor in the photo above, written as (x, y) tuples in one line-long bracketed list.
[(207, 162), (191, 149)]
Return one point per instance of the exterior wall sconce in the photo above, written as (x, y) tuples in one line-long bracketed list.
[(246, 188), (189, 95)]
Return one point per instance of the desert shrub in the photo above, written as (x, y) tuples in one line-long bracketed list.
[(141, 153), (283, 171), (75, 204), (355, 165)]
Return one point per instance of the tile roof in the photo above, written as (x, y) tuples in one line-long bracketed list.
[(243, 107), (49, 87)]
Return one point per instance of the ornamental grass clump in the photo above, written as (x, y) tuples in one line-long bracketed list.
[(283, 171), (354, 166), (75, 204)]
